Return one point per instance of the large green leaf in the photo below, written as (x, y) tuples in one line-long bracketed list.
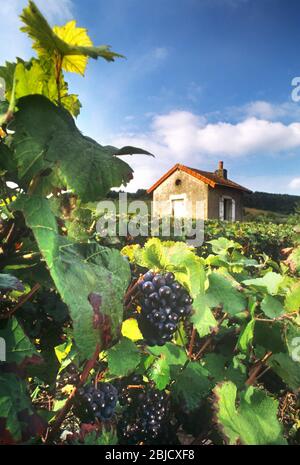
[(269, 336), (202, 318), (253, 422), (38, 77), (19, 348), (222, 291), (7, 163), (272, 307), (221, 245), (287, 368), (223, 368), (47, 141), (123, 358), (15, 407), (191, 386), (270, 282), (90, 279)]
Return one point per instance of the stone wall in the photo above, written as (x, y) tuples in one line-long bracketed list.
[(180, 184)]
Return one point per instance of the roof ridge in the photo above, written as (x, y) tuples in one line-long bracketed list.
[(208, 177)]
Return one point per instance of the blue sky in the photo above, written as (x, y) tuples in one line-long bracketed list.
[(203, 80)]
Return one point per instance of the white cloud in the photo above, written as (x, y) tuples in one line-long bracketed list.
[(13, 42), (294, 184), (184, 137), (270, 111), (183, 133)]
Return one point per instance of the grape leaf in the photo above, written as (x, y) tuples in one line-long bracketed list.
[(203, 318), (287, 368), (221, 291), (38, 77), (123, 358), (71, 44), (253, 422), (7, 163), (246, 337), (221, 245), (272, 307), (91, 435), (191, 386), (292, 299), (270, 282), (100, 274), (15, 407), (269, 336), (130, 329), (47, 139), (19, 348), (223, 368), (168, 357)]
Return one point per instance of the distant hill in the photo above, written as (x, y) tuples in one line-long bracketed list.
[(278, 203)]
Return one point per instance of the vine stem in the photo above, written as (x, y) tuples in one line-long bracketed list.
[(192, 341), (21, 302), (58, 68), (286, 316), (131, 290), (253, 375), (210, 338), (182, 341), (68, 405)]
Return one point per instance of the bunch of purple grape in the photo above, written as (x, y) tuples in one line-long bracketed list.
[(164, 303), (92, 403), (144, 419)]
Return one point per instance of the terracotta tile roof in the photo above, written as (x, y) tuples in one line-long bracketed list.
[(212, 179)]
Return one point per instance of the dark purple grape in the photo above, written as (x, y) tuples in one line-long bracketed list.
[(158, 281), (169, 277), (164, 291), (93, 402), (148, 287), (176, 287), (148, 276), (154, 297)]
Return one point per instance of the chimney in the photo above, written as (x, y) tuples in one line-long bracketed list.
[(221, 171)]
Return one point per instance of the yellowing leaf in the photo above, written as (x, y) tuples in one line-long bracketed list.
[(62, 351), (73, 35), (61, 42), (131, 330)]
